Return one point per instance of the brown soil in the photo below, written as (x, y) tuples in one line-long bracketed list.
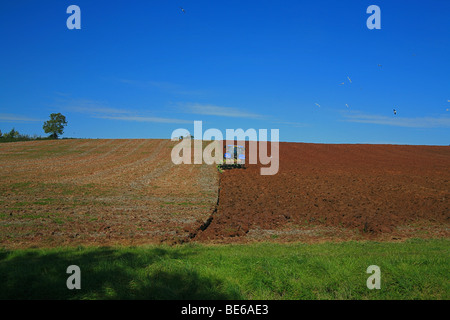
[(128, 192), (102, 192), (336, 192)]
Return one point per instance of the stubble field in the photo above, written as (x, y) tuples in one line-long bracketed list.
[(102, 192)]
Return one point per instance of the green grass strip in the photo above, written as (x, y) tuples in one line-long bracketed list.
[(415, 269)]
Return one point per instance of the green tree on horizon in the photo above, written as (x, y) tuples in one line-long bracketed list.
[(13, 134), (55, 125)]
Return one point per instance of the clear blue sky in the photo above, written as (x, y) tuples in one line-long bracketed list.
[(140, 69)]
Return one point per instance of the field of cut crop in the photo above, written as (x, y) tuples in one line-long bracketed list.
[(103, 192)]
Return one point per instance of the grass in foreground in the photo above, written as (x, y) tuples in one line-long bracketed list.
[(416, 269)]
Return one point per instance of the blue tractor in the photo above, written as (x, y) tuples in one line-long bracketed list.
[(234, 157)]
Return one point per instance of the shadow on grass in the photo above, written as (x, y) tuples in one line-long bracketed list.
[(106, 273)]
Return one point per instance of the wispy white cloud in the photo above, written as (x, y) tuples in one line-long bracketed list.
[(398, 121), (143, 119), (100, 110), (90, 107), (6, 117), (212, 110), (292, 124), (165, 86)]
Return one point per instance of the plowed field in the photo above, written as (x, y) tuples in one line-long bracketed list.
[(337, 192)]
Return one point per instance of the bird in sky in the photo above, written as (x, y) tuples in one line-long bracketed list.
[(341, 83), (182, 10), (349, 79), (448, 100), (380, 65), (346, 105), (447, 109), (318, 105), (395, 111)]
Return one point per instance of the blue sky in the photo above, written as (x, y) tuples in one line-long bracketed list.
[(144, 68)]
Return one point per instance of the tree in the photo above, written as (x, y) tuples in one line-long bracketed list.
[(55, 125), (13, 134)]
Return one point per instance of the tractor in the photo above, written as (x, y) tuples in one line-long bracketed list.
[(234, 157)]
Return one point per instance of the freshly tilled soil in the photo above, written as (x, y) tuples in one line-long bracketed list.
[(336, 192)]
